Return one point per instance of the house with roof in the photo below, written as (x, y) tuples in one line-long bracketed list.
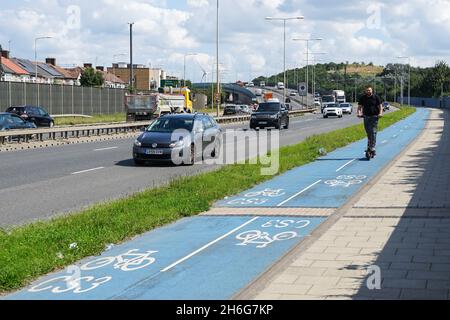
[(30, 67), (11, 71), (68, 77), (111, 80)]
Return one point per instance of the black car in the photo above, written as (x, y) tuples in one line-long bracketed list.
[(38, 115), (10, 121), (179, 138), (233, 110), (270, 114)]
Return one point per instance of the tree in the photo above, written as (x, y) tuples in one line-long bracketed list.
[(441, 73), (91, 78)]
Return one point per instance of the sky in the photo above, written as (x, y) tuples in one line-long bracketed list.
[(96, 31)]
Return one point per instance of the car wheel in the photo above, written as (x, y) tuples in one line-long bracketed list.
[(287, 124), (325, 116), (278, 125)]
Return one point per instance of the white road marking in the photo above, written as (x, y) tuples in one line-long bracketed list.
[(297, 194), (207, 245), (104, 149), (345, 165), (383, 142), (89, 170)]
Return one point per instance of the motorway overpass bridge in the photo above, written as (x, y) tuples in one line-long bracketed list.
[(234, 93)]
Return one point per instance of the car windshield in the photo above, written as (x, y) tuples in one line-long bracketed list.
[(170, 125), (328, 99), (345, 105), (332, 105), (267, 107)]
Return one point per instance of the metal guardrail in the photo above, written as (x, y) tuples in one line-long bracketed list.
[(75, 132)]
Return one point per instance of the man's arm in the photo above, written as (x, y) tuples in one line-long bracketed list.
[(381, 108), (359, 113)]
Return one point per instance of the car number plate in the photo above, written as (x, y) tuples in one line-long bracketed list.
[(263, 122), (154, 151)]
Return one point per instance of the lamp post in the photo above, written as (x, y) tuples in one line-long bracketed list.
[(217, 61), (409, 77), (307, 62), (184, 66), (314, 70), (35, 53), (284, 46), (131, 56)]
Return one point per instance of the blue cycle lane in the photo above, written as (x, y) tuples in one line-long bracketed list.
[(214, 257), (331, 180)]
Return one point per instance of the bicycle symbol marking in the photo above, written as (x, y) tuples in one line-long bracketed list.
[(271, 193), (346, 181), (130, 261), (243, 201), (72, 283), (286, 223), (263, 239)]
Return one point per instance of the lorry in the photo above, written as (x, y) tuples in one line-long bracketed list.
[(339, 96), (141, 107), (326, 100), (280, 85)]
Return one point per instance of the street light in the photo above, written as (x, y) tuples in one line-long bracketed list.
[(35, 52), (184, 68), (314, 70), (307, 61), (409, 77), (284, 50)]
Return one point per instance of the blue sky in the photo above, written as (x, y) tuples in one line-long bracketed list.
[(94, 31)]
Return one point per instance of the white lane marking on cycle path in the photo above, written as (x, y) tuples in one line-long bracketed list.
[(345, 165), (207, 245), (89, 170), (299, 193)]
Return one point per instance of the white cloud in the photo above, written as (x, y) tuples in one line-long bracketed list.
[(166, 29)]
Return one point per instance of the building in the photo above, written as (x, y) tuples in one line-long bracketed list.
[(145, 79), (67, 76), (11, 71), (111, 81)]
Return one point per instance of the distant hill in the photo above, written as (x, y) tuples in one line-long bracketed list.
[(364, 70)]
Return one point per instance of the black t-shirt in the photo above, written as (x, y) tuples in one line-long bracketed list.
[(371, 105)]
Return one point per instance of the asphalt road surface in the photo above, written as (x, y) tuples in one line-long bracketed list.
[(40, 184)]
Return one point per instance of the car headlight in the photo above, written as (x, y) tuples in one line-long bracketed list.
[(178, 144), (137, 143), (275, 116)]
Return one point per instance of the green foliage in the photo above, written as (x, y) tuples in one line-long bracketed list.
[(91, 78)]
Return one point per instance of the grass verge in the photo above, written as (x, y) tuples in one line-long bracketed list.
[(71, 121), (36, 249)]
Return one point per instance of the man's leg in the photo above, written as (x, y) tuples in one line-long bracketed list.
[(374, 131), (367, 127)]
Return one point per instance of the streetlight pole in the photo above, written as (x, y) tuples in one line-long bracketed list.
[(131, 56), (307, 62), (217, 61), (284, 47), (409, 77), (36, 64), (184, 67), (35, 53)]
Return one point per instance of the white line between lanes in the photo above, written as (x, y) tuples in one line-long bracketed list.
[(89, 170), (104, 149), (207, 245), (297, 194), (345, 165)]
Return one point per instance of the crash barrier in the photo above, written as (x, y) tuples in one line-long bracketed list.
[(82, 131)]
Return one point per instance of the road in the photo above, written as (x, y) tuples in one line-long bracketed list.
[(40, 184)]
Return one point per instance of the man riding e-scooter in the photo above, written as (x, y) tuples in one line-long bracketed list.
[(371, 109)]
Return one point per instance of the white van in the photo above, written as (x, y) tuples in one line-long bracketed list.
[(280, 86)]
